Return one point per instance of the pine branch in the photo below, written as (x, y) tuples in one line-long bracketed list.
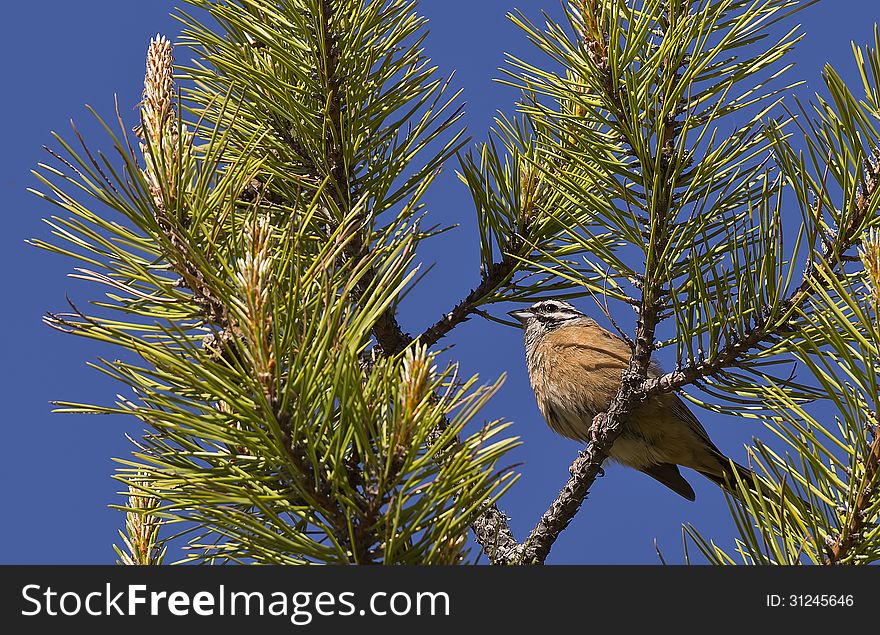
[(267, 431), (491, 527), (865, 499), (353, 520), (159, 131), (833, 256), (865, 496)]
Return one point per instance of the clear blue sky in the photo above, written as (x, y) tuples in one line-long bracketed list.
[(55, 472)]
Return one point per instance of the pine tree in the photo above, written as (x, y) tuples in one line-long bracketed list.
[(258, 229)]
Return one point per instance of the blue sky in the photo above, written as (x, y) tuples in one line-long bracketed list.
[(55, 473)]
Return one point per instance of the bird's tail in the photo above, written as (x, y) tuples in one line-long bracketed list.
[(732, 473)]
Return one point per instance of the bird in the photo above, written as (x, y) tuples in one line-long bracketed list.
[(575, 368)]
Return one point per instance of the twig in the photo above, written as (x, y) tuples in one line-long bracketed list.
[(498, 274)]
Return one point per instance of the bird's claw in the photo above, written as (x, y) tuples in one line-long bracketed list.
[(595, 426)]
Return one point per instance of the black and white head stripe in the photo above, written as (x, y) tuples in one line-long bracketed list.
[(554, 312), (548, 314)]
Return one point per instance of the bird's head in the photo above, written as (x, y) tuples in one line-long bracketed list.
[(548, 315)]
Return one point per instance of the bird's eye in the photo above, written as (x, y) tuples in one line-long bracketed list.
[(549, 307)]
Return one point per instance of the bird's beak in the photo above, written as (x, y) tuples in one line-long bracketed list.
[(521, 314)]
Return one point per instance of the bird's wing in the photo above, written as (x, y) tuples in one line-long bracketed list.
[(668, 474), (681, 411)]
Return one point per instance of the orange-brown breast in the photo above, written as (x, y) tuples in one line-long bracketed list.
[(575, 371)]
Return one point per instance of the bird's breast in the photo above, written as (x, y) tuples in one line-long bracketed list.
[(571, 392), (575, 372)]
